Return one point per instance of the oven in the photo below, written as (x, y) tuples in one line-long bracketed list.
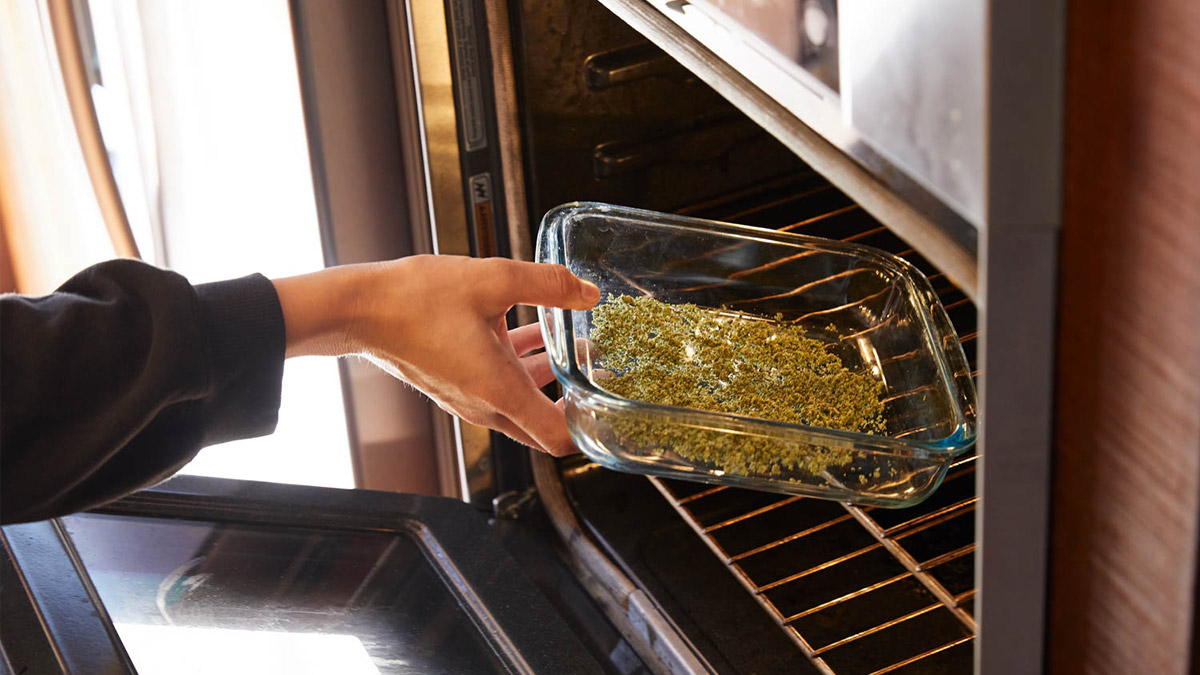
[(930, 130), (927, 129)]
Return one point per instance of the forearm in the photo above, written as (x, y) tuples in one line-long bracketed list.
[(322, 311), (119, 377)]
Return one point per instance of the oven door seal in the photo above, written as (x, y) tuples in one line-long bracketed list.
[(660, 643)]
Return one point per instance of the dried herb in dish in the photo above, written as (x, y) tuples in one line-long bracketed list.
[(691, 357)]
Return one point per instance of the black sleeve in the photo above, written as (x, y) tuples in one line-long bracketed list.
[(117, 379)]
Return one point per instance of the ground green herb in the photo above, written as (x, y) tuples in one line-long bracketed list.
[(691, 357)]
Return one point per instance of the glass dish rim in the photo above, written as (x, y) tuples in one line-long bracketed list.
[(958, 441)]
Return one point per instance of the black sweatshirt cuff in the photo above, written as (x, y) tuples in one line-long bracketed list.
[(244, 326)]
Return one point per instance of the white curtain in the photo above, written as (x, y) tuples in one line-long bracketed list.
[(228, 184), (199, 105)]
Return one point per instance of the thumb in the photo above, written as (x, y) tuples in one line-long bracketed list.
[(514, 282)]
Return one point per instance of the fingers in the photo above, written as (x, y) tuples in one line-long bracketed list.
[(510, 429), (526, 338), (512, 282), (540, 418), (501, 330), (572, 449), (538, 367), (587, 350)]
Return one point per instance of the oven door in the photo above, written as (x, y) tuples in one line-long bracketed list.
[(214, 575)]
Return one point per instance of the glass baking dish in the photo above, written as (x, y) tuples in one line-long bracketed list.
[(876, 312)]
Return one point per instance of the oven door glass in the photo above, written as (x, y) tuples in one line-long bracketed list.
[(195, 596)]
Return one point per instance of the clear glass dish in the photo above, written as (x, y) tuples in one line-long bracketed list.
[(875, 311)]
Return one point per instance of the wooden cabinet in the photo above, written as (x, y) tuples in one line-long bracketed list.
[(1126, 493)]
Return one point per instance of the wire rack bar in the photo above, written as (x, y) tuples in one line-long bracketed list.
[(931, 584), (787, 539), (875, 629), (849, 596), (817, 568), (923, 655), (756, 512), (770, 607)]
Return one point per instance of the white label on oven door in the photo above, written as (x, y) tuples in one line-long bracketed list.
[(471, 113)]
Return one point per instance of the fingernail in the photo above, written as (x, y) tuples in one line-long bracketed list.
[(591, 292)]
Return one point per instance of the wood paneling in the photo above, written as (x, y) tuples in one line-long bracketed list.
[(1127, 461)]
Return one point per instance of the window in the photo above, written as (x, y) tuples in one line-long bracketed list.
[(199, 105)]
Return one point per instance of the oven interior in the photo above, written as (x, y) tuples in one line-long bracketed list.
[(757, 582)]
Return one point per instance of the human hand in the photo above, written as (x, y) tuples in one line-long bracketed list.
[(437, 322)]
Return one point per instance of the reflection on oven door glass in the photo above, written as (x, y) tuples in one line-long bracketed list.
[(192, 596)]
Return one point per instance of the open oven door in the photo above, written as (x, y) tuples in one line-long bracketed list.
[(216, 575)]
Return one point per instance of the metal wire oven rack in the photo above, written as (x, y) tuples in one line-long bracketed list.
[(859, 590)]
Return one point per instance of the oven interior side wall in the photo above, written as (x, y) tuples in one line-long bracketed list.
[(609, 117)]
